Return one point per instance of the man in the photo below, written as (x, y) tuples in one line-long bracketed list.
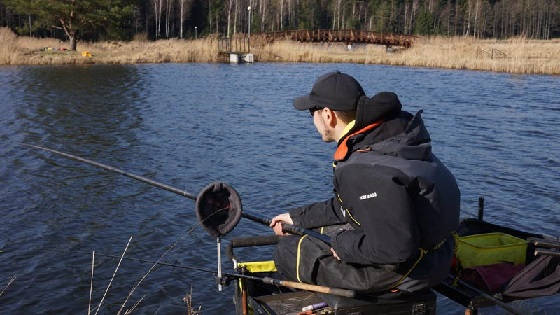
[(395, 205)]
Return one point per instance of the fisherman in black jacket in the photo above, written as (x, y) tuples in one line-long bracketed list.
[(395, 205)]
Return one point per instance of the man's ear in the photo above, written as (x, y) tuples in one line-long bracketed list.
[(331, 118)]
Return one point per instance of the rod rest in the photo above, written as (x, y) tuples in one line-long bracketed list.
[(250, 241)]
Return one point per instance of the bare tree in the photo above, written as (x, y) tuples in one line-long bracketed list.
[(169, 6), (281, 15), (468, 29), (263, 13), (182, 17), (230, 6), (476, 6), (157, 17), (235, 17)]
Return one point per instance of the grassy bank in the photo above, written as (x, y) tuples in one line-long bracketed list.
[(516, 55), (33, 51), (513, 56)]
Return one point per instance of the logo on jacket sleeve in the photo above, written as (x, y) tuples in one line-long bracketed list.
[(368, 196)]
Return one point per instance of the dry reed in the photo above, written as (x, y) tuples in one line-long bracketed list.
[(91, 281), (113, 277), (516, 55), (130, 310), (188, 302), (10, 283), (144, 277), (16, 50), (8, 48)]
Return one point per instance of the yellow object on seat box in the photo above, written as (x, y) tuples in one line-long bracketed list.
[(258, 266), (490, 248)]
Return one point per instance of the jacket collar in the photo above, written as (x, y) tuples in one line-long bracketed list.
[(342, 150), (347, 129)]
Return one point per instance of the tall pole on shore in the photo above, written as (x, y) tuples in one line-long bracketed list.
[(249, 29)]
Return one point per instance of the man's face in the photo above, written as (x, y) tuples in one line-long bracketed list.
[(321, 121)]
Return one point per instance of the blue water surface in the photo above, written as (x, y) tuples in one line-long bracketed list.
[(189, 124)]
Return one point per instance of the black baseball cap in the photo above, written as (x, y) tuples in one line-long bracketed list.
[(335, 90)]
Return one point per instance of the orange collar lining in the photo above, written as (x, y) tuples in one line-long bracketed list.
[(342, 150)]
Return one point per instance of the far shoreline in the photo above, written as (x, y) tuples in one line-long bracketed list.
[(269, 62), (514, 56)]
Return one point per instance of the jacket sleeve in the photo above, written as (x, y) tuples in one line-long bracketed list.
[(318, 214), (379, 203)]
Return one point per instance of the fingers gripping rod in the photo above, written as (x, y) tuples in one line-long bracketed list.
[(293, 229)]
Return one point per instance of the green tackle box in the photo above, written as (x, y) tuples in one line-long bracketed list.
[(490, 248)]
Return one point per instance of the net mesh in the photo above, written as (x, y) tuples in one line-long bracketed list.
[(218, 208)]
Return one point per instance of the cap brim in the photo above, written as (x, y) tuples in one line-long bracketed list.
[(303, 103), (310, 101)]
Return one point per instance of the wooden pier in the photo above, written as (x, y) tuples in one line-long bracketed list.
[(235, 49), (344, 36)]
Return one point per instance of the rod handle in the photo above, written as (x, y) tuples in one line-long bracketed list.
[(310, 287), (301, 231), (253, 218), (293, 229)]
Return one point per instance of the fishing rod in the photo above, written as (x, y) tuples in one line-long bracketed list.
[(266, 280), (546, 243), (293, 229), (488, 297), (218, 209), (548, 247), (217, 193)]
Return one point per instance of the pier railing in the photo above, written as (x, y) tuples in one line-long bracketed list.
[(346, 36), (235, 44), (492, 53)]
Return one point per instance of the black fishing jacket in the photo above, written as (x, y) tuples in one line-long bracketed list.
[(389, 186)]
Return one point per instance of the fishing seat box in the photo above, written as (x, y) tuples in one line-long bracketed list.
[(267, 299), (421, 303)]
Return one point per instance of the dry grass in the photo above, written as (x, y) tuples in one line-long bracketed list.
[(31, 51), (191, 310), (8, 48), (518, 55)]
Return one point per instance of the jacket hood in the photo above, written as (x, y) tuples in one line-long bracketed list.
[(412, 143), (382, 106), (400, 133)]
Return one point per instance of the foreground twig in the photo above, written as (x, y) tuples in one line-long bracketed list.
[(188, 301), (91, 283), (144, 277), (113, 277), (130, 310), (8, 285), (189, 231)]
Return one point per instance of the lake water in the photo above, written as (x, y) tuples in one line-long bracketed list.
[(189, 124)]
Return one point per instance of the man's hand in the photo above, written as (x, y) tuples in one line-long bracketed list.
[(276, 223)]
